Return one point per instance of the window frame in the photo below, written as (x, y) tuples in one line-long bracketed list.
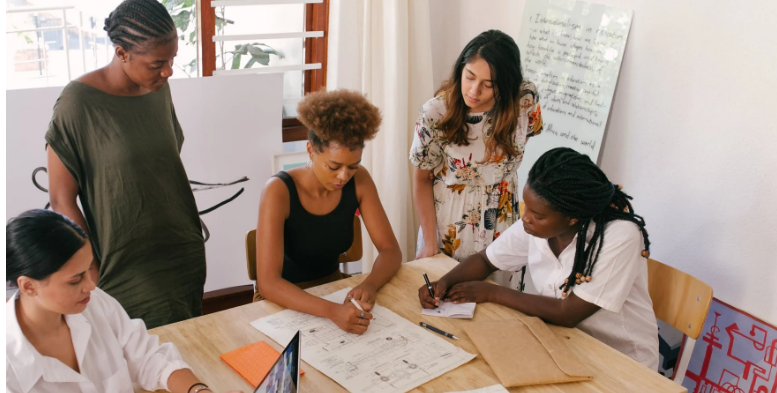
[(316, 19)]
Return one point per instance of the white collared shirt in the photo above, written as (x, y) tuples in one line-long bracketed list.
[(113, 351), (626, 320)]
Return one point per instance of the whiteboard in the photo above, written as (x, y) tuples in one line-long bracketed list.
[(572, 51), (232, 129)]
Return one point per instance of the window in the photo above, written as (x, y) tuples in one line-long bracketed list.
[(52, 43), (269, 36)]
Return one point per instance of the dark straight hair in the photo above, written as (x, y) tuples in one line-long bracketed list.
[(504, 59), (38, 243)]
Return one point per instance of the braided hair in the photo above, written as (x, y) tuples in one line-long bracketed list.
[(572, 184), (136, 22)]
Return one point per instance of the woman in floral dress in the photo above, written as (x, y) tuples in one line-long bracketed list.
[(468, 144)]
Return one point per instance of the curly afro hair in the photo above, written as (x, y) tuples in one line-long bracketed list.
[(342, 117)]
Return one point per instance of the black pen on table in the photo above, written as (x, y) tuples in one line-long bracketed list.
[(429, 286), (434, 329)]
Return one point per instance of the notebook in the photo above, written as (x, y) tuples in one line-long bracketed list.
[(451, 310), (255, 361)]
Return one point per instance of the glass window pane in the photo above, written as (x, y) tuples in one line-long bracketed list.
[(36, 41), (287, 18), (184, 13)]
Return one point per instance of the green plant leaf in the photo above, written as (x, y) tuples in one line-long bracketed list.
[(255, 50), (236, 61), (263, 59), (182, 19), (193, 37), (274, 52), (269, 49), (242, 49), (251, 62)]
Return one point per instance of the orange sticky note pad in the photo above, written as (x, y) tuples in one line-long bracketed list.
[(253, 361)]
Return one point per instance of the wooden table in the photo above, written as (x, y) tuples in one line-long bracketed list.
[(201, 341)]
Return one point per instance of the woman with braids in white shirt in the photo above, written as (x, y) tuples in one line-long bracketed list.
[(65, 335), (585, 249)]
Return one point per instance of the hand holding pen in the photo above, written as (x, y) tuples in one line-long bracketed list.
[(431, 293)]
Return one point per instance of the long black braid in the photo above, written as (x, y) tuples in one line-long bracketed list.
[(136, 22), (577, 188)]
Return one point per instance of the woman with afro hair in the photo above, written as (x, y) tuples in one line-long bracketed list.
[(306, 214)]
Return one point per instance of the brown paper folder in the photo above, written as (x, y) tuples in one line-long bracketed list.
[(526, 352)]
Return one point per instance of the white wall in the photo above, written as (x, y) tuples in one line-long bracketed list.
[(691, 134)]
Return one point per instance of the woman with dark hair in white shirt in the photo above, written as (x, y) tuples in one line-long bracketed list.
[(586, 251), (65, 335)]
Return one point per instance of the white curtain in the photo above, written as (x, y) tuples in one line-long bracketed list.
[(383, 49)]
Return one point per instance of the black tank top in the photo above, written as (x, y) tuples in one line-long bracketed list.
[(312, 244)]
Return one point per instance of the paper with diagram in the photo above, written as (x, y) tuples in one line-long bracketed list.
[(393, 356)]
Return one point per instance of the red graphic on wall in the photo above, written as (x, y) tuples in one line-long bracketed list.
[(736, 354)]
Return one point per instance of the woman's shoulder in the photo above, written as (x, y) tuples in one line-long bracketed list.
[(276, 188), (528, 85), (434, 108), (622, 232), (101, 301), (75, 95), (362, 176)]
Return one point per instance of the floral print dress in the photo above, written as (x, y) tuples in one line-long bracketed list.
[(475, 201)]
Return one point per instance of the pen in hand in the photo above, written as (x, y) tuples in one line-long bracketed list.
[(355, 303), (429, 286)]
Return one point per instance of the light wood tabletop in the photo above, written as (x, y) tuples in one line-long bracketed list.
[(202, 340)]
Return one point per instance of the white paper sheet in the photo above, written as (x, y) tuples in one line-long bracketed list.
[(393, 356), (451, 310)]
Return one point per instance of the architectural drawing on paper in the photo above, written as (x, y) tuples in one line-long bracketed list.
[(393, 356)]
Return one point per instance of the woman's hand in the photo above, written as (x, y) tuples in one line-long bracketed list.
[(427, 301), (472, 292), (363, 294), (349, 318), (429, 250)]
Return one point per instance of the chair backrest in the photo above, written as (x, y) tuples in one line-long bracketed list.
[(353, 254), (679, 299)]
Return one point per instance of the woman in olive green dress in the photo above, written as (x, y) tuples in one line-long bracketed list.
[(114, 144)]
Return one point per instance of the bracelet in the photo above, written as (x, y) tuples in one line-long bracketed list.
[(201, 388), (195, 385)]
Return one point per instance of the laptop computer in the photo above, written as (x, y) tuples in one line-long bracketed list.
[(284, 374)]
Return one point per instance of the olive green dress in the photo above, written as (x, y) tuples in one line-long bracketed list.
[(124, 153)]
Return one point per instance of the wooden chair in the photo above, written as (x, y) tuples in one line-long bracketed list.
[(682, 301), (352, 255)]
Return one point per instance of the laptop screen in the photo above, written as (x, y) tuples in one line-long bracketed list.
[(284, 374)]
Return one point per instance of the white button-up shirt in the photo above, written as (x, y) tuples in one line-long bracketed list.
[(626, 320), (113, 351)]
